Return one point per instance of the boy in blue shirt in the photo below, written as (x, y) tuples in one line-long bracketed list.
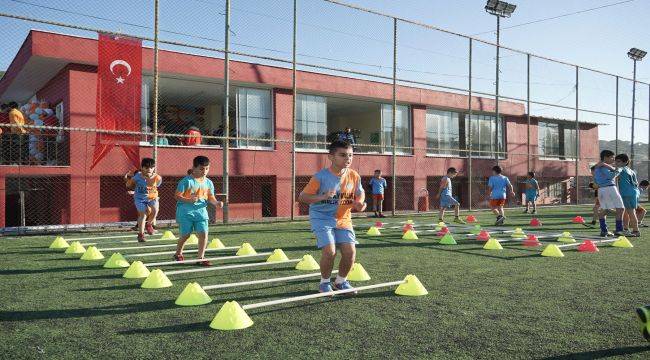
[(378, 184), (628, 186), (497, 186), (332, 194), (193, 194), (145, 184), (446, 198), (608, 196), (532, 192)]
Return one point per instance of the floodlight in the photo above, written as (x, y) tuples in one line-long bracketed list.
[(500, 8), (636, 54)]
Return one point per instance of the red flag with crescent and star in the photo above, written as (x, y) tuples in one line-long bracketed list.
[(119, 88)]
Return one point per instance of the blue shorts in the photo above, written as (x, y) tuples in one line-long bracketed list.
[(329, 235), (630, 202), (531, 197), (142, 204), (189, 223), (447, 201)]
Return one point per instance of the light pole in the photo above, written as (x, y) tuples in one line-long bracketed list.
[(636, 55), (499, 9)]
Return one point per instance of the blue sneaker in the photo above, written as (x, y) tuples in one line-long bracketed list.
[(345, 286), (325, 287)]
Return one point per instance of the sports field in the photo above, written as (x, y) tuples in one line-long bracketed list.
[(510, 303)]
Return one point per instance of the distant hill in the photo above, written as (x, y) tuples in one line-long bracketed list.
[(640, 153)]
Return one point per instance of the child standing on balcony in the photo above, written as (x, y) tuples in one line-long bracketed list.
[(145, 185), (497, 186)]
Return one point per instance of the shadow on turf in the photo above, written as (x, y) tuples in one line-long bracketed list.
[(87, 312), (43, 271), (599, 354)]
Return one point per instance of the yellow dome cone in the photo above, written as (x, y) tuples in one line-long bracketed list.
[(216, 244), (193, 295), (440, 226), (156, 280), (373, 231), (246, 249), (410, 235), (566, 237), (278, 255), (192, 240), (231, 316), (137, 270), (168, 235), (92, 254), (409, 221), (411, 287), (552, 251), (358, 273), (116, 261), (75, 248), (307, 264), (518, 233), (493, 244), (622, 242), (59, 243)]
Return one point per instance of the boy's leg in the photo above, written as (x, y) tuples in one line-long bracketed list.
[(181, 242), (141, 220), (325, 241), (640, 214), (348, 256), (441, 213), (328, 254), (203, 237), (185, 227), (632, 220), (380, 206), (457, 211), (155, 208), (374, 205)]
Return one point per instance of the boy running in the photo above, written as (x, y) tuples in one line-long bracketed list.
[(145, 185), (608, 196), (497, 186), (446, 199), (193, 194), (532, 192), (378, 185), (628, 186), (332, 193)]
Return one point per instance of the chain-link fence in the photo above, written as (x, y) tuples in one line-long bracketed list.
[(261, 88)]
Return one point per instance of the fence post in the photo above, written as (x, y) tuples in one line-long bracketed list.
[(469, 131), (577, 136), (226, 116), (616, 142), (155, 82), (394, 133), (293, 110), (528, 111)]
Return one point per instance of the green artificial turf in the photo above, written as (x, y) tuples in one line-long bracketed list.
[(511, 303)]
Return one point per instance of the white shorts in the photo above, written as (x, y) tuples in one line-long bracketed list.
[(610, 198)]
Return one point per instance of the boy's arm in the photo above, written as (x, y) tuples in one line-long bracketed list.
[(309, 195), (359, 198), (180, 191), (441, 185)]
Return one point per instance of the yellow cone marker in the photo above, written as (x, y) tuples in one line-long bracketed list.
[(566, 237), (216, 244), (75, 248), (92, 254), (410, 235), (552, 251), (307, 263), (192, 240), (278, 255), (411, 287), (493, 244), (156, 280), (59, 243), (409, 222), (518, 234), (231, 316), (137, 270), (440, 226), (116, 261), (358, 273), (373, 231), (622, 242), (193, 295), (168, 235), (246, 249)]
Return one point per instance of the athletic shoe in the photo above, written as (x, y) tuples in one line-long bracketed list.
[(501, 220), (141, 238), (325, 287), (594, 222), (381, 215), (526, 211), (621, 233), (643, 225), (606, 234), (534, 212), (459, 221), (149, 228), (634, 234), (345, 285), (204, 263), (178, 257)]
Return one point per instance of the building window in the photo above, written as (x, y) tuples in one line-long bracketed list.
[(402, 125), (443, 132), (556, 140), (254, 121), (483, 129), (311, 122)]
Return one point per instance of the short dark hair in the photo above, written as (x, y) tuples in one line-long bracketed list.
[(531, 173), (497, 169), (623, 158), (606, 153), (200, 161), (452, 170), (644, 183), (378, 171), (3, 107), (13, 105), (338, 144), (148, 162)]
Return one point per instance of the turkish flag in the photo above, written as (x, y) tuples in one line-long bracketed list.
[(119, 88)]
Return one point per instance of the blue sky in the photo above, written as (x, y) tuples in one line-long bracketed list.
[(338, 37)]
